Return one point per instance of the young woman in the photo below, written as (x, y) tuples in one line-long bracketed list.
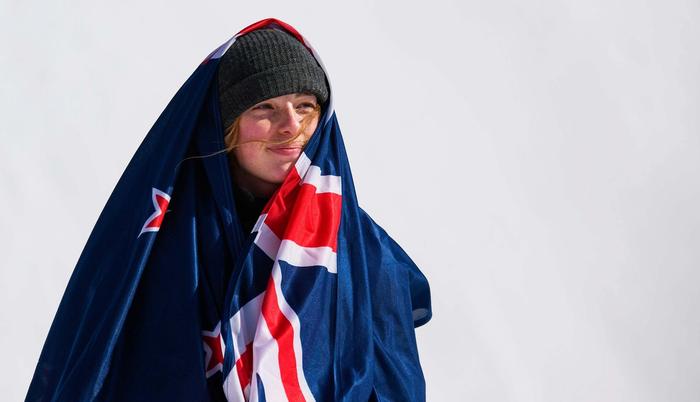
[(232, 261)]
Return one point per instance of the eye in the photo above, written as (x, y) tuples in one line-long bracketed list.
[(262, 106), (306, 107)]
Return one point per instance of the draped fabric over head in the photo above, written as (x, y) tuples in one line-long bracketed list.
[(171, 300)]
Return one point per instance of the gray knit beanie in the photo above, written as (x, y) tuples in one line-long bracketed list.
[(264, 64)]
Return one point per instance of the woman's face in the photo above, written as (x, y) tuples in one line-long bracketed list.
[(271, 137)]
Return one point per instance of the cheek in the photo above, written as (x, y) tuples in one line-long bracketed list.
[(249, 148), (248, 155), (252, 131), (311, 126)]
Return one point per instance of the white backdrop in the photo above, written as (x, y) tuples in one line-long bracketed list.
[(539, 161)]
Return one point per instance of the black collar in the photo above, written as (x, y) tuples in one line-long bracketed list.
[(248, 207)]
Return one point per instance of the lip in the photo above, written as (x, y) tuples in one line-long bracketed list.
[(286, 151)]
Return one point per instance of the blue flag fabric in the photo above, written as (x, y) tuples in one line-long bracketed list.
[(171, 300)]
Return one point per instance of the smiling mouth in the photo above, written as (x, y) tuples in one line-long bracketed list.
[(287, 147), (286, 150)]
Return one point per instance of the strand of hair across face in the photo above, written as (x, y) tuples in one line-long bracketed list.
[(233, 130)]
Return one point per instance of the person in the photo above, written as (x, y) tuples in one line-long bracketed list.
[(232, 261), (270, 93)]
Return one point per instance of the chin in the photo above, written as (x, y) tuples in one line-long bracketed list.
[(276, 178), (284, 172)]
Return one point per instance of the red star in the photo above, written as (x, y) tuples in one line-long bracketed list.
[(214, 349), (160, 203)]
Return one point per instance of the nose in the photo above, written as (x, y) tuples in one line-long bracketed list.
[(289, 120)]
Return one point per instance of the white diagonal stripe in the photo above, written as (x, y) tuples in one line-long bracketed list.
[(311, 174), (294, 254)]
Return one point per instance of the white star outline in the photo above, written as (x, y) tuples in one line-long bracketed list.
[(216, 334), (154, 193)]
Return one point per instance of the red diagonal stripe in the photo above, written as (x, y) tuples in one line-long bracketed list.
[(283, 332), (244, 366), (299, 214)]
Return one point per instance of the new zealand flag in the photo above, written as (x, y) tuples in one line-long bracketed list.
[(172, 301)]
